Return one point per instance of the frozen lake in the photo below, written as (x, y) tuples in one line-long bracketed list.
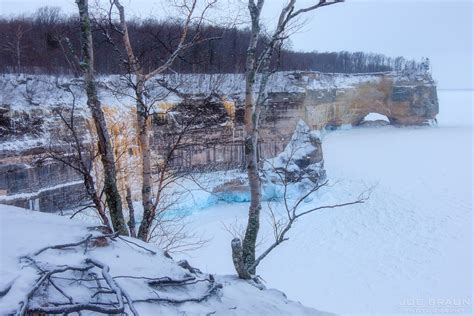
[(409, 246)]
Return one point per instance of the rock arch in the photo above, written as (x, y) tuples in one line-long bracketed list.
[(374, 119), (402, 102)]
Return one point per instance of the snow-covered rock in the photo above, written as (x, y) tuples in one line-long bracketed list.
[(24, 232), (301, 162)]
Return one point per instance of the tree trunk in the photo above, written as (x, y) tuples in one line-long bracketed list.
[(111, 191), (246, 253), (251, 118), (147, 181), (18, 55), (92, 192), (131, 213), (252, 113), (237, 258)]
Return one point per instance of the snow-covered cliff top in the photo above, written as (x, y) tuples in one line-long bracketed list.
[(30, 92)]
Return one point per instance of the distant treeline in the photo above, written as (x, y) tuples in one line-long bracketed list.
[(48, 41)]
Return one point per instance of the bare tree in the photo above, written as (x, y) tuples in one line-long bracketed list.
[(13, 43), (308, 184), (298, 172), (47, 16), (74, 152), (113, 198), (139, 81), (244, 251)]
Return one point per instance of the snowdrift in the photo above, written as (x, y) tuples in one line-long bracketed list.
[(155, 283)]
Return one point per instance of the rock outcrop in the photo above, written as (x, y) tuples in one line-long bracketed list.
[(48, 187), (403, 101), (323, 101), (301, 162)]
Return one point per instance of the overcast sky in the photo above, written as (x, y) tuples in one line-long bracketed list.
[(440, 30)]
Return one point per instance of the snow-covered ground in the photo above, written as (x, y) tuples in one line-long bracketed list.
[(24, 232), (408, 250)]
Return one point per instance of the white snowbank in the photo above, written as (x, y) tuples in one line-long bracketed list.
[(376, 117), (24, 231)]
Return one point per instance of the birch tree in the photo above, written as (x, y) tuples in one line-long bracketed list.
[(141, 77), (13, 44), (243, 252), (114, 201)]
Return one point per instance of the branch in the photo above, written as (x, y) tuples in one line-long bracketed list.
[(212, 289), (134, 243), (4, 291), (24, 308), (122, 297), (360, 201), (180, 46), (62, 246), (75, 244), (169, 281), (111, 282), (321, 3)]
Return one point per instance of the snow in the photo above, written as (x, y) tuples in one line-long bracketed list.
[(341, 81), (411, 243), (22, 144), (37, 193), (23, 232), (38, 92), (376, 117), (298, 148)]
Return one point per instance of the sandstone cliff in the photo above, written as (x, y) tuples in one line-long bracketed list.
[(29, 126)]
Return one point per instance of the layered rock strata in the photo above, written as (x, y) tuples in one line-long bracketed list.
[(29, 124)]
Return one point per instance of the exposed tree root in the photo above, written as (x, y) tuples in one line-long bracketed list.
[(106, 295)]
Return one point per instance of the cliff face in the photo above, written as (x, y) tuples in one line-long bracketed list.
[(48, 187), (29, 125), (323, 101), (403, 101)]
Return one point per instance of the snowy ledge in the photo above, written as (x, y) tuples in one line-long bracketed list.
[(24, 92), (131, 263)]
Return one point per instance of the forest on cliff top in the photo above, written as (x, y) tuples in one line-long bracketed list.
[(45, 41)]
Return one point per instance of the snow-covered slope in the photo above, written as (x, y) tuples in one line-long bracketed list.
[(24, 232)]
